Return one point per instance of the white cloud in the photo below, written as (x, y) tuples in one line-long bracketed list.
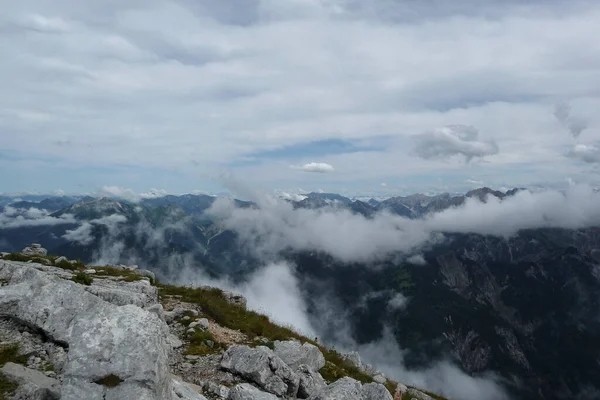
[(454, 140), (12, 217), (585, 152), (162, 79), (318, 167), (416, 259), (83, 233), (276, 227)]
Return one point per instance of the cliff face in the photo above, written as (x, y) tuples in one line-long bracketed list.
[(72, 332)]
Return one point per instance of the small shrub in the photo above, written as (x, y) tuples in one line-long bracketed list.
[(83, 278), (65, 264), (17, 257)]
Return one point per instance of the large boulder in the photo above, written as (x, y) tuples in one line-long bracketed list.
[(342, 389), (261, 366), (245, 391), (311, 382), (35, 250), (375, 391), (294, 354), (33, 385), (139, 293), (115, 352)]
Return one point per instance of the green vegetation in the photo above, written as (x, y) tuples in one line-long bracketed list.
[(109, 381), (126, 275), (9, 353), (215, 306), (83, 278), (200, 344), (3, 282)]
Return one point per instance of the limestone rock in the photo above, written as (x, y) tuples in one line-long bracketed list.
[(32, 383), (104, 340), (342, 389), (35, 250), (220, 391), (353, 358), (245, 391), (295, 354), (235, 298), (261, 366), (184, 391), (380, 378), (375, 391), (139, 293), (311, 382), (60, 259)]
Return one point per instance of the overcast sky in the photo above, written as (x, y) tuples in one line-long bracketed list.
[(357, 97)]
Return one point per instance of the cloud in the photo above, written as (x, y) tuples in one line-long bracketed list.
[(11, 218), (83, 234), (416, 259), (276, 226), (165, 93), (575, 125), (453, 140), (315, 167), (585, 152), (129, 194)]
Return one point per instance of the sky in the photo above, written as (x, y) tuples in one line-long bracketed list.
[(360, 98)]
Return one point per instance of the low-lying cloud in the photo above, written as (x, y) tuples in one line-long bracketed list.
[(454, 140), (318, 167), (12, 218), (83, 234), (277, 226)]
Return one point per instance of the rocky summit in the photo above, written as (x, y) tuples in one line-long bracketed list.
[(73, 332)]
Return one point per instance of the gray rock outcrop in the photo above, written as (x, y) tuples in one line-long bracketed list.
[(261, 366), (342, 389), (35, 250), (311, 382), (294, 354), (106, 342), (33, 385), (375, 391), (245, 391)]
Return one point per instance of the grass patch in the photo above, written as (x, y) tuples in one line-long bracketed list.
[(199, 344), (109, 381), (10, 353), (126, 274), (7, 387), (83, 278), (3, 282)]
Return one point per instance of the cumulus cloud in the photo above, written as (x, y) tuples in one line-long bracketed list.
[(275, 227), (12, 217), (574, 124), (83, 234), (585, 152), (453, 140), (317, 167)]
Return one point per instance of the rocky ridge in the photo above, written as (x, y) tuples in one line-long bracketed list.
[(72, 332)]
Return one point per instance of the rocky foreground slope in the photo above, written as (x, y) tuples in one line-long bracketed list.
[(72, 332)]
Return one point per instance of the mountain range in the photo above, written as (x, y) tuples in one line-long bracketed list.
[(522, 307)]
